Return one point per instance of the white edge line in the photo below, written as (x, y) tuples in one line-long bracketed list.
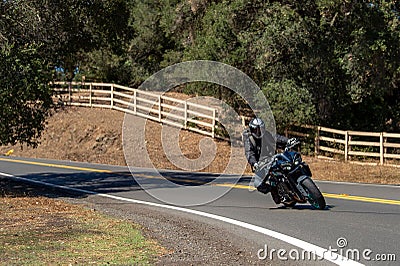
[(320, 252)]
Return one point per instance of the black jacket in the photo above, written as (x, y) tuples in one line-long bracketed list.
[(256, 149)]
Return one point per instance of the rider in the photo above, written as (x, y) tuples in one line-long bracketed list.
[(259, 144)]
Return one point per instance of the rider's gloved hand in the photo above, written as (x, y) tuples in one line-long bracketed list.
[(256, 167), (292, 141)]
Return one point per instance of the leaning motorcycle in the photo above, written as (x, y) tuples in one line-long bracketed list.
[(292, 179)]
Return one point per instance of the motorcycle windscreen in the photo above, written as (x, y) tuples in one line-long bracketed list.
[(268, 146)]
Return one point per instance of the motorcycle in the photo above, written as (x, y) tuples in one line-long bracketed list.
[(291, 177)]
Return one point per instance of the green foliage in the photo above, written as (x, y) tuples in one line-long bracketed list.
[(150, 42), (345, 54), (35, 38), (25, 98), (340, 60), (107, 60), (289, 103)]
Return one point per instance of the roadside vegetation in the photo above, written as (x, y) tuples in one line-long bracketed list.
[(36, 230), (331, 63)]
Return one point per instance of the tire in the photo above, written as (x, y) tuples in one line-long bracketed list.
[(314, 197)]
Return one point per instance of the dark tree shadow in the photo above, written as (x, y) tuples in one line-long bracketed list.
[(80, 183)]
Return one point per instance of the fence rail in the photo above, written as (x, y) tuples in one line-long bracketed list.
[(151, 105), (357, 145), (328, 142), (374, 148)]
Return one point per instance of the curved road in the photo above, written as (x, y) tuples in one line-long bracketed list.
[(361, 221)]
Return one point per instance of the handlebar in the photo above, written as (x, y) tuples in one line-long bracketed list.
[(264, 163)]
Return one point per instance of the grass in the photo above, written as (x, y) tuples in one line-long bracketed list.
[(42, 231), (352, 172)]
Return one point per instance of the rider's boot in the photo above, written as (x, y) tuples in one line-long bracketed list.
[(286, 200)]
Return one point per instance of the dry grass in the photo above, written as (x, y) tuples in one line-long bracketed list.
[(36, 230), (351, 172)]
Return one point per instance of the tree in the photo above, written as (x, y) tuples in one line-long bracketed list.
[(150, 41), (345, 54), (37, 36), (339, 59), (109, 60), (290, 104), (25, 97), (342, 54), (366, 46), (213, 35)]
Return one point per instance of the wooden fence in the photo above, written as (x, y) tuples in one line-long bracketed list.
[(150, 105), (328, 143), (356, 146)]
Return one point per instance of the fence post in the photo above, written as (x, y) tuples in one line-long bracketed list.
[(381, 150), (243, 121), (112, 96), (349, 148), (134, 101), (385, 149), (213, 125), (346, 146), (317, 141), (159, 108), (384, 145), (90, 95), (70, 91), (186, 115)]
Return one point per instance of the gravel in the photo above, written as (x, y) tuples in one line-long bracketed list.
[(187, 241)]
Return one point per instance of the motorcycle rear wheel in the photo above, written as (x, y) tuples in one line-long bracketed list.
[(314, 196)]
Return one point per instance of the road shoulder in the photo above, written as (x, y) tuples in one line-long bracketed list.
[(184, 240)]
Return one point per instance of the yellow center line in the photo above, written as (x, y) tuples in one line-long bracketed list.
[(57, 165), (237, 186), (328, 195), (360, 198)]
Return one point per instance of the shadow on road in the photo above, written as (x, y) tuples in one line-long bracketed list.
[(108, 182), (300, 207)]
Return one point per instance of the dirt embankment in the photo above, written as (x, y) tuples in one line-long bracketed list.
[(95, 136), (79, 134)]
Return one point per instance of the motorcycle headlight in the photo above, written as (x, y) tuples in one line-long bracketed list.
[(287, 167)]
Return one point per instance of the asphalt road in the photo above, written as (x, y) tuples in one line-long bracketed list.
[(361, 221)]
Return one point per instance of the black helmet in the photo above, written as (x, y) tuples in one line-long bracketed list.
[(257, 127)]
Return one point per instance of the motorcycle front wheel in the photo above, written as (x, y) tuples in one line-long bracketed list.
[(314, 196)]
